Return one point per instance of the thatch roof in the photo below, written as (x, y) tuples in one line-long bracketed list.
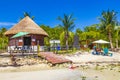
[(26, 25)]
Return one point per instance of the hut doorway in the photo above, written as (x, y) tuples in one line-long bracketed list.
[(27, 41)]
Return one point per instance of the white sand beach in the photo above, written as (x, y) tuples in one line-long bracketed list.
[(62, 74), (57, 74), (42, 71), (88, 57)]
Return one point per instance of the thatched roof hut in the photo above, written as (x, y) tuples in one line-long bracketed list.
[(26, 25), (35, 37)]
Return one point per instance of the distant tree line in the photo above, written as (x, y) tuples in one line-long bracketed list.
[(108, 29)]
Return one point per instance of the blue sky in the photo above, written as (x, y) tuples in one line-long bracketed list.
[(46, 12)]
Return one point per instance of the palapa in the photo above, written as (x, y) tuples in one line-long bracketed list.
[(26, 25)]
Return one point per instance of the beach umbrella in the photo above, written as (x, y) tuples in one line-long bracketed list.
[(19, 34), (101, 42)]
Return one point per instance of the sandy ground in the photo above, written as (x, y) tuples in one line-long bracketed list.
[(87, 57), (62, 74), (92, 71), (103, 74), (58, 74)]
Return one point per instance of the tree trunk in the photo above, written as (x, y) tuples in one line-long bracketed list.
[(67, 47), (110, 38), (66, 44), (117, 43)]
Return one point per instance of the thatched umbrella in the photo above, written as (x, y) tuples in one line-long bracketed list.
[(26, 25)]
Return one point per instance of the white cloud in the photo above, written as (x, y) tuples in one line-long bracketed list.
[(7, 24)]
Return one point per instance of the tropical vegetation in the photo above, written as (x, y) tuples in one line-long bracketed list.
[(67, 25), (108, 20), (3, 38), (108, 29)]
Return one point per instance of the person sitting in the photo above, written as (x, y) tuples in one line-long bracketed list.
[(94, 50), (99, 51), (94, 47)]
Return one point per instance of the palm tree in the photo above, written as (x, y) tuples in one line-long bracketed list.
[(108, 20), (67, 25), (117, 31), (27, 14), (70, 39)]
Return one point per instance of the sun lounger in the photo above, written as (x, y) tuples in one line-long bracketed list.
[(105, 53)]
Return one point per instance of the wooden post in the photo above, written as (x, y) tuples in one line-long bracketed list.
[(38, 47)]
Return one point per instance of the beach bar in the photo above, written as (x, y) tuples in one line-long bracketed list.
[(34, 37)]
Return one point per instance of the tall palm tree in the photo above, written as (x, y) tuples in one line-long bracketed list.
[(27, 14), (117, 31), (108, 20), (67, 25)]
